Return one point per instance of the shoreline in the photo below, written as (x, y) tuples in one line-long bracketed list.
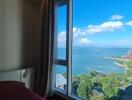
[(119, 59), (121, 65), (114, 58)]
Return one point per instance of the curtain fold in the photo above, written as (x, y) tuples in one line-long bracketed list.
[(43, 72)]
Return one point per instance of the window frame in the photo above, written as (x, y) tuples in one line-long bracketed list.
[(69, 41), (69, 36)]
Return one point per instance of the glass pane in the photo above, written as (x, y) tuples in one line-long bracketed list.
[(102, 49), (61, 32), (61, 77)]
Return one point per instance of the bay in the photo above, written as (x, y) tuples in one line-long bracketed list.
[(89, 59)]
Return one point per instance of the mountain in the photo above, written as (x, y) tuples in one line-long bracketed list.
[(128, 56)]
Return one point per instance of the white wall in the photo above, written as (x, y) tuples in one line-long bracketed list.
[(19, 34)]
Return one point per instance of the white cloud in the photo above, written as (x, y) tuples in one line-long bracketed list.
[(81, 35), (77, 32), (61, 39), (104, 27), (128, 23), (125, 43), (117, 17), (84, 41), (126, 40), (62, 36)]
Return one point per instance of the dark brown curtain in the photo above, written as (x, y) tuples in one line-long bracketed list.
[(44, 71)]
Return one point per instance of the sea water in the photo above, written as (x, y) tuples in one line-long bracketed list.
[(89, 59)]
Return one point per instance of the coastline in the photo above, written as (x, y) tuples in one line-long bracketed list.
[(121, 65), (118, 59), (114, 58)]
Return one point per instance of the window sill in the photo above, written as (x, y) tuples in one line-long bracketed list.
[(62, 94)]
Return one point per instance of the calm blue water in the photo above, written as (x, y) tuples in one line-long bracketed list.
[(92, 59)]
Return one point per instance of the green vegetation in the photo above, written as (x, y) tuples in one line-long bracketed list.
[(98, 86), (127, 64)]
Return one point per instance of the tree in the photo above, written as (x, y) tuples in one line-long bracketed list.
[(85, 87)]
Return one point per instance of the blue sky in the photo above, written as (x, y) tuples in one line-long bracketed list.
[(101, 23)]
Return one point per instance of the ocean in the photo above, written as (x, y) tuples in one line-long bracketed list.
[(89, 59)]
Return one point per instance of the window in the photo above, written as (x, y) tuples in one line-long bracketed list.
[(63, 45), (61, 77), (94, 58), (61, 27)]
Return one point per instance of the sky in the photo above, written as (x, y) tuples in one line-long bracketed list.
[(99, 23)]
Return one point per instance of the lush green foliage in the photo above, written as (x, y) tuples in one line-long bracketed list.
[(98, 86), (128, 63), (125, 63)]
